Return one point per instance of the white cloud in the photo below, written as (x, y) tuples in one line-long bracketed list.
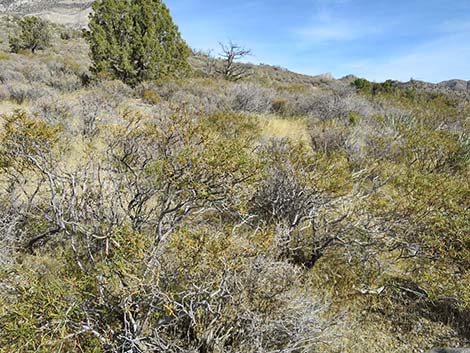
[(328, 26), (334, 31), (442, 59)]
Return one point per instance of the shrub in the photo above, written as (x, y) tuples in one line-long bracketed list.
[(282, 106), (362, 84), (252, 98), (283, 197), (4, 93), (115, 91), (67, 82), (8, 73), (52, 110), (165, 89), (10, 224), (21, 92), (67, 33), (34, 35), (291, 198), (93, 107), (196, 297), (328, 139), (143, 45), (322, 105), (149, 96), (36, 71)]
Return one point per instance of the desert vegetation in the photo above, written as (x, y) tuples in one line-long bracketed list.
[(186, 210)]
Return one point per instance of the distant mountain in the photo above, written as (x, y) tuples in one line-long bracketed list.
[(68, 12), (458, 85)]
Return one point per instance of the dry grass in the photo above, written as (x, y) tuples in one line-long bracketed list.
[(291, 128), (8, 107)]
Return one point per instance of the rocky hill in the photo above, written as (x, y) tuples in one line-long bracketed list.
[(69, 12), (459, 85)]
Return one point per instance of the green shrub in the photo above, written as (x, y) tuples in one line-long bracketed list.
[(135, 41), (24, 138), (362, 84), (34, 35)]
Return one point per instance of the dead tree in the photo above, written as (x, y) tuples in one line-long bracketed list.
[(232, 52)]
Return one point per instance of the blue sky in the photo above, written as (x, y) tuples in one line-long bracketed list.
[(376, 39)]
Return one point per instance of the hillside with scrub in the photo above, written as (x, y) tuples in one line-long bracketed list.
[(180, 204)]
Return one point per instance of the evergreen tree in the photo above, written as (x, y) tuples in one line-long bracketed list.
[(34, 34), (136, 40)]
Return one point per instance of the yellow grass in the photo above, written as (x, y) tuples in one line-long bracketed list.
[(274, 126)]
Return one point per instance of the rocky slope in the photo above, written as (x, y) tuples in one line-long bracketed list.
[(458, 85), (70, 12)]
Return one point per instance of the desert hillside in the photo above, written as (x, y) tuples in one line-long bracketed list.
[(194, 212), (70, 12)]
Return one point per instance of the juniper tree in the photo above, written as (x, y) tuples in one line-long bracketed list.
[(33, 34), (136, 40)]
